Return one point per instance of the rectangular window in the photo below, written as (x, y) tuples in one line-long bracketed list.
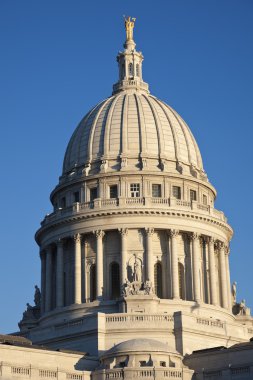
[(135, 190), (156, 191), (193, 195), (76, 196), (204, 199), (176, 192), (114, 191), (63, 202), (93, 193)]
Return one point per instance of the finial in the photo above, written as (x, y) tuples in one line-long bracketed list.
[(129, 26)]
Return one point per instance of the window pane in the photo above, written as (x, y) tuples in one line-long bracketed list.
[(115, 281), (156, 190), (135, 190), (176, 191), (93, 193), (204, 199), (114, 191), (193, 195), (76, 196), (63, 202), (158, 279)]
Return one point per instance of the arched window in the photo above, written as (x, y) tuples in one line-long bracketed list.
[(115, 281), (137, 70), (158, 280), (93, 285), (130, 69), (181, 281)]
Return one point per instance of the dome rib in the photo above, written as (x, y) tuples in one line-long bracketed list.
[(142, 128), (123, 140), (108, 123), (186, 139), (160, 137), (92, 129), (68, 153), (176, 144)]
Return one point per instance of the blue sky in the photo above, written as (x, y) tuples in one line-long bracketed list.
[(58, 60)]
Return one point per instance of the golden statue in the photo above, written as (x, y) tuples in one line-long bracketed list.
[(129, 26)]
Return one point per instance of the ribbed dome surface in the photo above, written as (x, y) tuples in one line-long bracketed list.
[(132, 124), (140, 345)]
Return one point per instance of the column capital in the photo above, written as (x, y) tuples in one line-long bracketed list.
[(77, 238), (123, 231), (173, 233), (59, 242), (211, 239), (149, 231), (99, 234), (49, 249), (195, 236), (221, 245)]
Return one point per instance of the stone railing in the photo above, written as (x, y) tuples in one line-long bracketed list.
[(10, 370), (118, 321), (140, 202), (130, 83), (144, 372), (210, 322)]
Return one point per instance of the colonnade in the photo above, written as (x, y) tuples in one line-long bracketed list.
[(223, 299)]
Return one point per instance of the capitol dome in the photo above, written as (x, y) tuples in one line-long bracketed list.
[(134, 238), (132, 130), (132, 123)]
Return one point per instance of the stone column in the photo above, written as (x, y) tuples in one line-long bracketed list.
[(43, 281), (77, 270), (99, 263), (48, 295), (223, 275), (228, 279), (149, 255), (212, 272), (174, 264), (123, 233), (59, 274), (196, 266)]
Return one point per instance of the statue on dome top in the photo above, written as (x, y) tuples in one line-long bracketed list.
[(129, 26)]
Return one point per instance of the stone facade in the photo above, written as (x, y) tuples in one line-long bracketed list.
[(135, 251)]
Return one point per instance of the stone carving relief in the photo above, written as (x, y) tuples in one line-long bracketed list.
[(134, 284)]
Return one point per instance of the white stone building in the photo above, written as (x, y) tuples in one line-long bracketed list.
[(134, 256)]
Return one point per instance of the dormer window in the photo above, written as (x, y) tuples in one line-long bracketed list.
[(76, 196), (135, 190), (193, 195), (176, 192), (93, 193), (63, 202)]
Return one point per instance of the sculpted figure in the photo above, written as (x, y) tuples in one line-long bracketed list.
[(137, 271), (129, 26), (37, 296), (242, 307), (234, 291), (148, 289)]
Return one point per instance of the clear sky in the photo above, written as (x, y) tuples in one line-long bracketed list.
[(58, 60)]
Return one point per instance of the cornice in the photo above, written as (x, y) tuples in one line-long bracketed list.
[(160, 212)]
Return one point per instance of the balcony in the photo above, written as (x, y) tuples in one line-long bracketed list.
[(141, 203)]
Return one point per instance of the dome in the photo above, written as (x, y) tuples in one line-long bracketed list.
[(132, 124), (142, 345)]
